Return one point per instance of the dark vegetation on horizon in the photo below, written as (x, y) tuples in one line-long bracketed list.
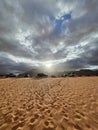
[(36, 74)]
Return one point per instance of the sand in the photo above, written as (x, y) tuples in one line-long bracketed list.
[(49, 104)]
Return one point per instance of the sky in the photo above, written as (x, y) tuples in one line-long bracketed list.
[(56, 34)]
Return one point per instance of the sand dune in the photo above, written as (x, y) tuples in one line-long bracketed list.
[(49, 104)]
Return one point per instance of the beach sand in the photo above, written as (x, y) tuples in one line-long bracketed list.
[(49, 103)]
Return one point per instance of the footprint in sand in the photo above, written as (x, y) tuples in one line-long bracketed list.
[(19, 125), (33, 119), (77, 127), (49, 125), (77, 117), (4, 126)]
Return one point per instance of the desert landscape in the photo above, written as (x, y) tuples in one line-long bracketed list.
[(48, 64), (49, 103)]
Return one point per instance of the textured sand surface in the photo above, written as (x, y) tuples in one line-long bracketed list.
[(49, 104)]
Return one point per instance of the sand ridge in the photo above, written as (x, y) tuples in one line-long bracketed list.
[(49, 104)]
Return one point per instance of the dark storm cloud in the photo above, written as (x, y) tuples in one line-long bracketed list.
[(7, 66), (13, 47), (72, 65), (63, 32), (91, 54)]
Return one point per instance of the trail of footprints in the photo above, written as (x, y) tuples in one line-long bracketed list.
[(51, 104)]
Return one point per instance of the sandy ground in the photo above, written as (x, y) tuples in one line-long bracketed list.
[(49, 104)]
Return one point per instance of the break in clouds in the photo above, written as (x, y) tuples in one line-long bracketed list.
[(36, 32)]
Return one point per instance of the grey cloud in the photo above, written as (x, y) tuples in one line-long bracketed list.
[(91, 54), (7, 66), (72, 65), (38, 17), (14, 48)]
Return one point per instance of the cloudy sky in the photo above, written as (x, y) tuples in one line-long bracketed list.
[(60, 34)]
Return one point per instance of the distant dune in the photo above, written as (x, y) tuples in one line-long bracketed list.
[(49, 104)]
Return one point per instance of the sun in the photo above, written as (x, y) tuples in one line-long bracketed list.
[(48, 65)]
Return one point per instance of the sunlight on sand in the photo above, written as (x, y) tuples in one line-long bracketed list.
[(49, 104)]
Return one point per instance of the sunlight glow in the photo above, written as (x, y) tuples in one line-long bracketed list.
[(48, 65)]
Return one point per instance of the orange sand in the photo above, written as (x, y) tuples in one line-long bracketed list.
[(49, 104)]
